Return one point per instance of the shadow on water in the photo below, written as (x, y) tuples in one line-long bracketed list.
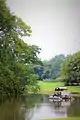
[(74, 109), (35, 107), (20, 108)]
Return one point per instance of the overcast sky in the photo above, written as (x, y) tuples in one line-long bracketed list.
[(55, 24)]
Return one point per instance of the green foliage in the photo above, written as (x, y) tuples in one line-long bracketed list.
[(53, 66), (16, 57), (33, 84), (71, 69)]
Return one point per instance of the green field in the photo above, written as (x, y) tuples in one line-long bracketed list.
[(48, 87), (69, 118)]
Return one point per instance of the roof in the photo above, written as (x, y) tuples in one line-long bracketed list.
[(61, 88)]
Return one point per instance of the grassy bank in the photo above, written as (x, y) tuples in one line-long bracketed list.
[(48, 87), (69, 118)]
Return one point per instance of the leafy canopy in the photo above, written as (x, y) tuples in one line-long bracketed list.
[(16, 57)]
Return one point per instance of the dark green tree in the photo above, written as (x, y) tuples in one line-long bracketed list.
[(71, 69), (16, 57)]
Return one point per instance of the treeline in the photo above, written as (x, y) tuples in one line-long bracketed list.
[(50, 69), (61, 68), (16, 57)]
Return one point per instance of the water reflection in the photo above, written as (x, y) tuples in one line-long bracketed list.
[(10, 110), (74, 109), (60, 108), (35, 107)]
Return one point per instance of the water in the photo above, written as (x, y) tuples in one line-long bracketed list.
[(36, 107)]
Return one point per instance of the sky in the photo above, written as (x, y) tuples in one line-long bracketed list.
[(55, 24)]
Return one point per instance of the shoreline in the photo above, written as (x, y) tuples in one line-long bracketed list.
[(73, 94), (68, 118)]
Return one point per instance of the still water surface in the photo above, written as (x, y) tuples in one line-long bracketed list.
[(36, 107)]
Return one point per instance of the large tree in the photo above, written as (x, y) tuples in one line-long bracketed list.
[(71, 69), (16, 57)]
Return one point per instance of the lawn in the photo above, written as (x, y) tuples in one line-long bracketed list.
[(48, 87), (74, 89), (69, 118)]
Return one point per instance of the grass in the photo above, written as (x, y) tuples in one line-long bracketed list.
[(48, 87), (74, 89), (69, 118)]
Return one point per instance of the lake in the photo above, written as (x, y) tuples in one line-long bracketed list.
[(36, 107)]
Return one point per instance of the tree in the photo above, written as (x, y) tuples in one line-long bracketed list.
[(16, 57), (53, 66), (39, 70), (71, 69)]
